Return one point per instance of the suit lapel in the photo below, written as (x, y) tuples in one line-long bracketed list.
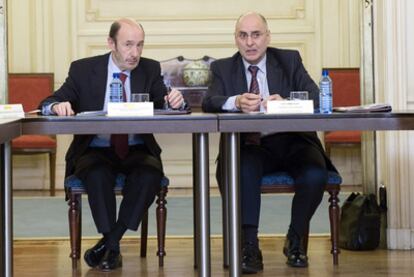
[(138, 80), (98, 81), (239, 84), (274, 74)]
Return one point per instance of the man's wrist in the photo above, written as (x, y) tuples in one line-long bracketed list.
[(237, 102), (47, 109)]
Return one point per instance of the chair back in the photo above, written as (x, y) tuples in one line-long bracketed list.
[(346, 86), (173, 71), (30, 88)]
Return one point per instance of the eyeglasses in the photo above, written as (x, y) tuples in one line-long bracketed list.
[(253, 35)]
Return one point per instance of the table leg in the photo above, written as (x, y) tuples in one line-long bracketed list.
[(224, 179), (196, 175), (233, 200), (6, 228), (203, 204)]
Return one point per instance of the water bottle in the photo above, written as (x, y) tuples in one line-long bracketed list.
[(325, 93), (116, 89)]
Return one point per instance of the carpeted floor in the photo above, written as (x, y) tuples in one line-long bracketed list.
[(46, 217)]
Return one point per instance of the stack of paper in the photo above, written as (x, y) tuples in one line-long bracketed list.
[(11, 111), (364, 108)]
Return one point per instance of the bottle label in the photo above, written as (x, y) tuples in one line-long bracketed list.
[(325, 97), (116, 91)]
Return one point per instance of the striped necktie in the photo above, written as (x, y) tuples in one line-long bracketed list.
[(254, 85), (253, 138)]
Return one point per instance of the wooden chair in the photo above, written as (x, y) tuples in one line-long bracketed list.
[(172, 71), (281, 182), (29, 89), (346, 92), (74, 189)]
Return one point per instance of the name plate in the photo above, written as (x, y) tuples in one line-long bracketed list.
[(289, 106), (131, 109), (11, 111)]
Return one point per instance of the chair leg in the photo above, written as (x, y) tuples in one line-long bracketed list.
[(334, 222), (161, 224), (52, 172), (74, 216), (144, 234), (328, 149)]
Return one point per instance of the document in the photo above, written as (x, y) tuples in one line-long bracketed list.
[(370, 108), (91, 113)]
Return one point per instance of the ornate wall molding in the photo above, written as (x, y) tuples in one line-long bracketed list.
[(190, 10)]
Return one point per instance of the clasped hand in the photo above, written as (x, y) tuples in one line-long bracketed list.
[(250, 102), (175, 99)]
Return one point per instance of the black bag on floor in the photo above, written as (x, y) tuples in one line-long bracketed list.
[(360, 223)]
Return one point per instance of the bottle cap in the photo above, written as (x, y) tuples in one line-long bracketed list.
[(115, 75), (325, 72)]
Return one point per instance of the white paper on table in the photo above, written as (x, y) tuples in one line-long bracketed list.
[(289, 106), (131, 109), (11, 111)]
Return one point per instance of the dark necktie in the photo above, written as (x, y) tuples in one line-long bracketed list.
[(253, 138), (120, 141), (254, 85)]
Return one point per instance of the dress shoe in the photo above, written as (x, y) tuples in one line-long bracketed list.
[(252, 261), (294, 251), (94, 255), (111, 260)]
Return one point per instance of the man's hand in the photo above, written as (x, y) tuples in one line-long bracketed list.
[(63, 109), (175, 99), (272, 97), (248, 102)]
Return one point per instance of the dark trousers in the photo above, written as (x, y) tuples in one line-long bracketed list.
[(98, 169), (283, 152)]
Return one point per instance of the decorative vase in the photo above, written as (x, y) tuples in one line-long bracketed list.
[(196, 73)]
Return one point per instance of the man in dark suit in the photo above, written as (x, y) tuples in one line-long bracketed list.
[(97, 159), (244, 83)]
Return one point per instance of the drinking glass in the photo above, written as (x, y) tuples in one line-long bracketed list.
[(140, 97), (299, 95)]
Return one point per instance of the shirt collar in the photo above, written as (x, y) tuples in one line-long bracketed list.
[(261, 65), (113, 68)]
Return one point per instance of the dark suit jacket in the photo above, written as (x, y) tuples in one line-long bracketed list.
[(85, 89), (285, 73)]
